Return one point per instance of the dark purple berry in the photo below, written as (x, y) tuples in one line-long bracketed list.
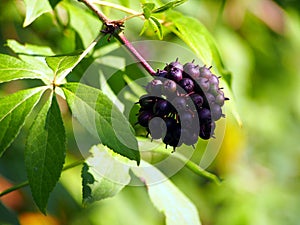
[(175, 74), (192, 70), (146, 101), (203, 84), (188, 137), (186, 119), (154, 87), (144, 117), (216, 111), (161, 107), (169, 87), (172, 137), (157, 128), (213, 89), (210, 98), (170, 123), (179, 103), (204, 115), (220, 98), (207, 130), (205, 72), (187, 84), (161, 73), (214, 80), (197, 99), (175, 64)]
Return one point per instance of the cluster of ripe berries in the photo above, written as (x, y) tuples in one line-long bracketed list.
[(182, 103)]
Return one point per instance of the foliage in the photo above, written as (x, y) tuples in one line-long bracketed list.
[(46, 46)]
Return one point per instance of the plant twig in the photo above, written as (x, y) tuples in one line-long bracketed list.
[(82, 55), (113, 27), (14, 188), (135, 53), (25, 183)]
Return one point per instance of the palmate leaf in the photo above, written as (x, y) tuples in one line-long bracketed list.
[(35, 8), (14, 109), (45, 152), (166, 197), (96, 113), (33, 55), (62, 65), (104, 174), (84, 23), (12, 68), (198, 38)]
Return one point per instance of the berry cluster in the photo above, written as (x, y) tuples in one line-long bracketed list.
[(182, 104)]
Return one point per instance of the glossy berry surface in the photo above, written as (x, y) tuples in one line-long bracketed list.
[(182, 104), (192, 70)]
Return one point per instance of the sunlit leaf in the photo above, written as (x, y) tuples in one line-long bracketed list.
[(62, 65), (33, 55), (156, 26), (145, 27), (12, 68), (166, 197), (147, 9), (96, 113), (104, 174), (14, 109), (29, 49), (106, 89), (84, 23), (35, 8), (45, 152), (137, 89), (198, 38), (168, 6)]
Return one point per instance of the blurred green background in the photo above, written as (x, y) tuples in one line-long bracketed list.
[(259, 159)]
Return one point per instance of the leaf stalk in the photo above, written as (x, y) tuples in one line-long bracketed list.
[(114, 28)]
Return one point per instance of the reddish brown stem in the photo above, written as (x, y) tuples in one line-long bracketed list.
[(135, 53), (120, 36)]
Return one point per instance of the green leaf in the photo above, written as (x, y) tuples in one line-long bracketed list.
[(166, 197), (29, 49), (137, 89), (101, 118), (33, 55), (53, 3), (84, 23), (62, 65), (14, 109), (45, 152), (147, 9), (144, 143), (106, 89), (156, 26), (168, 6), (12, 68), (35, 8), (198, 38), (145, 27), (104, 174)]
